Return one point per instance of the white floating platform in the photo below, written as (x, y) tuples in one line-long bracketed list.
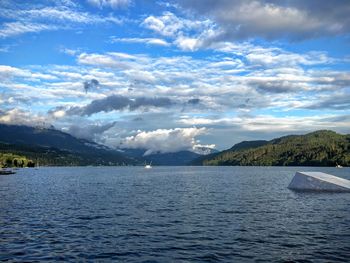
[(317, 181)]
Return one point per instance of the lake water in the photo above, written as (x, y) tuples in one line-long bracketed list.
[(170, 214)]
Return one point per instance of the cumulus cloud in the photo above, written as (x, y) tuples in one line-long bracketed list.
[(220, 84), (187, 34), (165, 141), (270, 19), (167, 25), (22, 117)]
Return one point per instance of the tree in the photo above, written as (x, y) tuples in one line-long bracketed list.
[(31, 164), (8, 162)]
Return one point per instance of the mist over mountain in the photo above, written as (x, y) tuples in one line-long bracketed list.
[(173, 158), (53, 147)]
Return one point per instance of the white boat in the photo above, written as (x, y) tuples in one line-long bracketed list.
[(148, 166), (37, 165), (338, 166), (6, 171)]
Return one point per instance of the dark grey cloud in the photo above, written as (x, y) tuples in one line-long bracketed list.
[(90, 84), (335, 102), (340, 118), (336, 79), (277, 86), (272, 19), (116, 102), (193, 101)]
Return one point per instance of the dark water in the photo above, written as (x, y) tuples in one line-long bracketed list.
[(170, 214)]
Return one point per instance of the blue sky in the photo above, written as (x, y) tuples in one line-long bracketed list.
[(176, 75)]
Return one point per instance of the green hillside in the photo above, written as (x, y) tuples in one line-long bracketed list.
[(50, 147), (320, 148), (49, 156)]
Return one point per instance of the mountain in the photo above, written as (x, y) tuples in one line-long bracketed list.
[(45, 137), (49, 146), (176, 158), (320, 148), (53, 147), (247, 145)]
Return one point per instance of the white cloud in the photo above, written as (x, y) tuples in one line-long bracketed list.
[(278, 57), (100, 60), (147, 41), (47, 19), (270, 123), (164, 141), (208, 121), (187, 34), (290, 123), (7, 72), (228, 89), (115, 4), (16, 28), (22, 117), (57, 14), (167, 25), (187, 43)]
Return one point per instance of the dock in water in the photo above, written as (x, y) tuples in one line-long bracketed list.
[(317, 181)]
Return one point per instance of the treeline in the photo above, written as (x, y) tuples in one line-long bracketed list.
[(14, 160), (50, 147), (14, 155), (321, 148)]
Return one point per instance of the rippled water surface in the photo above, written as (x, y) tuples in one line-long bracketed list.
[(177, 214)]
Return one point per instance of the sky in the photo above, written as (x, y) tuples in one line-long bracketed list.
[(167, 76)]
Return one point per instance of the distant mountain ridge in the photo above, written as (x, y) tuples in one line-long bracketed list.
[(175, 158), (45, 137), (53, 147), (320, 148), (49, 146)]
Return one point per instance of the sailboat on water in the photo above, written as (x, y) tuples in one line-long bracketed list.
[(338, 166), (37, 164), (6, 171), (148, 166)]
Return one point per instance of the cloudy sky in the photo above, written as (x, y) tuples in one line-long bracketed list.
[(176, 75)]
